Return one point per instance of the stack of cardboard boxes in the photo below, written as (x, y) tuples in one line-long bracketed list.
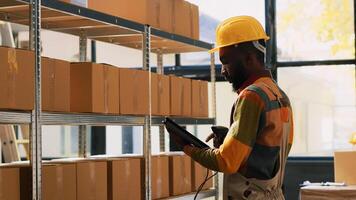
[(112, 178), (180, 174), (344, 166), (97, 88), (17, 81), (174, 16)]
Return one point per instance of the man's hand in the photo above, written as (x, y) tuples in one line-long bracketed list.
[(217, 140), (218, 135)]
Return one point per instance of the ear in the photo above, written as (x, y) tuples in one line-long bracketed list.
[(250, 59)]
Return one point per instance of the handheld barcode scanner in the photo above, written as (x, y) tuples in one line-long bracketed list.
[(220, 130)]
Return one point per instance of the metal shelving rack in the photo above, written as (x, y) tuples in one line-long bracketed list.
[(89, 24)]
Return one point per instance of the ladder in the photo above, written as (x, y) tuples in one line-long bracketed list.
[(10, 144)]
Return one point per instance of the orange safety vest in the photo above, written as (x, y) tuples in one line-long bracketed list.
[(236, 186)]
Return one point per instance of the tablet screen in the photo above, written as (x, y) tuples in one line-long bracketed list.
[(174, 128)]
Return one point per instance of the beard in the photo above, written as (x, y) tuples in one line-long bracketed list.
[(238, 77)]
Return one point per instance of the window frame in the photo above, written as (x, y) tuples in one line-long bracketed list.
[(271, 51), (271, 45)]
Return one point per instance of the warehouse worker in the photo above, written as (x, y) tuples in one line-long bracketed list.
[(253, 154)]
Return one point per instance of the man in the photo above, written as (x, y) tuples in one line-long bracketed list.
[(253, 154)]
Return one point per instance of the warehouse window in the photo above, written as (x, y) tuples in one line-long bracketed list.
[(324, 104), (315, 30), (323, 97)]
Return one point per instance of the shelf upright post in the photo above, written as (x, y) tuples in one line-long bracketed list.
[(160, 70), (82, 134), (213, 110), (83, 46), (36, 134), (146, 49)]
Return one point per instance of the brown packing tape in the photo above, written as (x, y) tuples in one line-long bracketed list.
[(127, 168), (52, 74), (182, 88), (192, 175), (186, 180), (160, 93), (157, 8), (92, 176), (59, 181), (136, 91), (201, 96), (159, 178), (12, 60), (158, 12), (173, 11), (182, 172), (11, 75), (106, 89), (191, 20), (170, 172)]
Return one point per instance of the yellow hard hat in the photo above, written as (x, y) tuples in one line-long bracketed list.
[(236, 30), (353, 138)]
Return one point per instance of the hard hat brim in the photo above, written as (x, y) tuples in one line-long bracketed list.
[(218, 47), (213, 50)]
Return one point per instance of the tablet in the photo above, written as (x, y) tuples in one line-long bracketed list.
[(174, 128)]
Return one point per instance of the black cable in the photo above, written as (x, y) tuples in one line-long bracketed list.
[(207, 177)]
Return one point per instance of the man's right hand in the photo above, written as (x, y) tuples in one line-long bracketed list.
[(217, 140), (218, 136)]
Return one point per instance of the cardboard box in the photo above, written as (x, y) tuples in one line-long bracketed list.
[(199, 175), (134, 10), (180, 174), (82, 3), (111, 89), (91, 180), (10, 183), (94, 88), (200, 106), (16, 79), (160, 176), (182, 18), (91, 177), (134, 91), (15, 181), (55, 85), (153, 13), (327, 193), (166, 16), (195, 26), (125, 181), (180, 96), (87, 88), (160, 95), (344, 166), (59, 182), (174, 16), (141, 11)]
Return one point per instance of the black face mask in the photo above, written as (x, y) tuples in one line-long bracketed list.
[(239, 76)]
